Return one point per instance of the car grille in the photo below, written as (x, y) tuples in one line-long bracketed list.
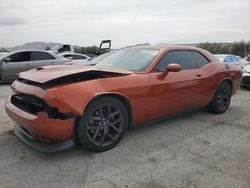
[(32, 105), (29, 103)]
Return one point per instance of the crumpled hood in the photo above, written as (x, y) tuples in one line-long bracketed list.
[(49, 73)]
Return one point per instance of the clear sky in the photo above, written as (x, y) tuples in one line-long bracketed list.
[(125, 22)]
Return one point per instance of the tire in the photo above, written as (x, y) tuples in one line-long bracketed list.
[(1, 77), (221, 99), (103, 124)]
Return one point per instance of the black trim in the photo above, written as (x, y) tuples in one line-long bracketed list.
[(32, 105), (29, 82), (174, 50), (72, 78), (41, 146)]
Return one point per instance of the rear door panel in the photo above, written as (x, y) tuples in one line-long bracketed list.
[(39, 59)]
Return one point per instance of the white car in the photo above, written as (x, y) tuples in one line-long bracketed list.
[(228, 58), (246, 76), (3, 53), (96, 60), (76, 58)]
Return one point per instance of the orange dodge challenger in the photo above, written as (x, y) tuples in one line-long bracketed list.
[(56, 107)]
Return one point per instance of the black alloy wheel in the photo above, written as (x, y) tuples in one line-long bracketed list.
[(222, 98), (103, 124)]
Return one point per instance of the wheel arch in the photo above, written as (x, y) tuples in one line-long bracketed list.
[(123, 99), (229, 81), (219, 83)]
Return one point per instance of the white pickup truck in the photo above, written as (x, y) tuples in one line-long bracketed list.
[(60, 48), (104, 47)]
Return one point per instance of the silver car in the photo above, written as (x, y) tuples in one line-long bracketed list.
[(15, 62), (76, 57)]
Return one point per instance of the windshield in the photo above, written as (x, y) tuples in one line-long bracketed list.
[(132, 59), (101, 57), (56, 47)]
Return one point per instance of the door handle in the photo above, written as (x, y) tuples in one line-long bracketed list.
[(198, 74)]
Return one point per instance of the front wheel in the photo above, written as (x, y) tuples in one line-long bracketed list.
[(222, 98), (103, 124)]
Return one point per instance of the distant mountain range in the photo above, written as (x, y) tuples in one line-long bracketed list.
[(44, 45), (33, 46)]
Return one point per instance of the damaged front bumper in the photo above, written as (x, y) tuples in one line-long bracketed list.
[(43, 133), (42, 146)]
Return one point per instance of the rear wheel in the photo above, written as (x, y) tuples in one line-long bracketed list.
[(222, 98), (103, 124)]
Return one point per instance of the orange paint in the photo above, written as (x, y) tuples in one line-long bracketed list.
[(149, 94)]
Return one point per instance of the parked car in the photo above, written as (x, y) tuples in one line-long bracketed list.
[(76, 57), (239, 58), (56, 107), (246, 76), (104, 47), (61, 48), (93, 61), (3, 53), (91, 56), (228, 58), (244, 62), (15, 62)]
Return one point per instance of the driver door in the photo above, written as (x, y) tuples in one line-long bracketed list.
[(178, 91)]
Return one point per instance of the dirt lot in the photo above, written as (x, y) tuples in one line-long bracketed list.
[(195, 150)]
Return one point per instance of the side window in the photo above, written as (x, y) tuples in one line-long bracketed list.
[(181, 57), (19, 57), (78, 57), (67, 56), (37, 56), (199, 59), (64, 48)]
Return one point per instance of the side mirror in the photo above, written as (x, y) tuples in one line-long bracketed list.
[(173, 67), (7, 59)]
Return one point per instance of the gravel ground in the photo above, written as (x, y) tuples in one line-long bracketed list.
[(195, 150)]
